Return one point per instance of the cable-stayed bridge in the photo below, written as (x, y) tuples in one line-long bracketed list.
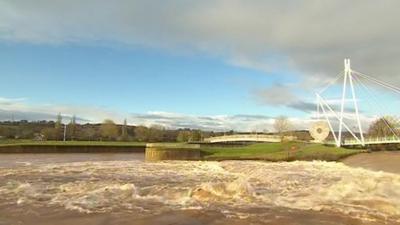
[(340, 118)]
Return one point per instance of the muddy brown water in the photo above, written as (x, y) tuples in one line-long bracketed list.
[(99, 189), (388, 161)]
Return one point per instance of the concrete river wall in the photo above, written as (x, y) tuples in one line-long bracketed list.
[(157, 152), (70, 149)]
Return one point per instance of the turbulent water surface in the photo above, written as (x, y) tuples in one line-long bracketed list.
[(123, 189)]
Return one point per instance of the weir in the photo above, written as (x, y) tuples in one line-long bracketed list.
[(162, 151)]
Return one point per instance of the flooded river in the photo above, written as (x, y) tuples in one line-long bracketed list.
[(86, 189)]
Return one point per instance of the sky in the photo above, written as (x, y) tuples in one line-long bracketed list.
[(215, 65)]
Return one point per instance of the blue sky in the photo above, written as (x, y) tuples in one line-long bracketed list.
[(212, 64), (133, 80)]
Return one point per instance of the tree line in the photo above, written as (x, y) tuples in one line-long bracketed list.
[(108, 130)]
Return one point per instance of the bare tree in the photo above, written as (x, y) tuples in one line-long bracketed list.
[(89, 133), (141, 133), (195, 135), (58, 124), (156, 133), (72, 128), (384, 127), (49, 133), (183, 136), (124, 131), (58, 127), (282, 125), (109, 130)]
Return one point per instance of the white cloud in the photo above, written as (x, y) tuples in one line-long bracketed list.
[(11, 101), (21, 109), (243, 123), (214, 122), (283, 95), (310, 36)]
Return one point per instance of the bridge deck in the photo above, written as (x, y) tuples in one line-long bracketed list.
[(371, 141), (247, 137)]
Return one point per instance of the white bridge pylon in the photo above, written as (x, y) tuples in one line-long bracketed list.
[(327, 112)]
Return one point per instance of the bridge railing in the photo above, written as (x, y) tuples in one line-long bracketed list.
[(389, 139), (248, 137)]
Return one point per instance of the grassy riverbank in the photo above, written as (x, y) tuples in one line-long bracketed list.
[(287, 151), (279, 152)]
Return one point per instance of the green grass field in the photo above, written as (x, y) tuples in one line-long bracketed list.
[(279, 152)]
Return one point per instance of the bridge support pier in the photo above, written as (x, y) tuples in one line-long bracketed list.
[(322, 104)]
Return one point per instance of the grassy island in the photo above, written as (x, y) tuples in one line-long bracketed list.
[(279, 152)]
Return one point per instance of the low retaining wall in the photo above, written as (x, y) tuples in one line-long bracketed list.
[(157, 152), (69, 149)]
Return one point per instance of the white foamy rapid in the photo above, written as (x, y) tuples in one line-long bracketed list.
[(232, 186)]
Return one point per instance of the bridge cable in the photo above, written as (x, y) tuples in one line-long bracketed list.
[(329, 84), (379, 82), (377, 102)]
